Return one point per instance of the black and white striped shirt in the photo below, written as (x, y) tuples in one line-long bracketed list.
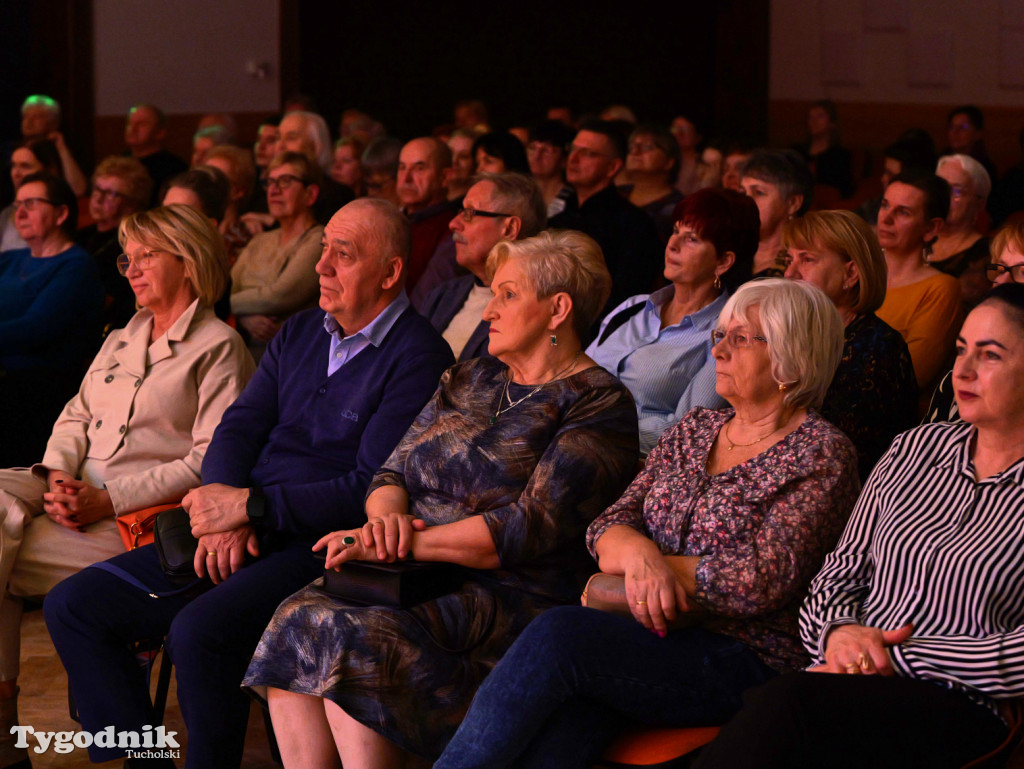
[(928, 544)]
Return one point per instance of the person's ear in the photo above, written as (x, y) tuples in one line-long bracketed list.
[(393, 273), (62, 214), (561, 309), (725, 263), (794, 205), (615, 167), (310, 194), (512, 227), (934, 228)]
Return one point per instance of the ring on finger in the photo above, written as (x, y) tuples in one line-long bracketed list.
[(641, 603), (863, 661), (348, 541), (851, 668)]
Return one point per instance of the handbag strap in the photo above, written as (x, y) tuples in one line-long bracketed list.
[(134, 581)]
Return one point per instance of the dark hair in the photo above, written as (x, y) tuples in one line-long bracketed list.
[(501, 144), (830, 109), (935, 189), (161, 118), (553, 132), (729, 220), (381, 156), (787, 170), (612, 131), (210, 185), (664, 140), (45, 152), (59, 193), (274, 120), (912, 154), (972, 112), (1012, 296)]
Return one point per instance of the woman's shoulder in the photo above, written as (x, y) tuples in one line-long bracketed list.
[(817, 443), (933, 440), (872, 333)]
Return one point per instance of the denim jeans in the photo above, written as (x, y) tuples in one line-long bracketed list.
[(575, 675)]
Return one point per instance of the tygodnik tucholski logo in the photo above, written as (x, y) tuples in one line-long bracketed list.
[(150, 743)]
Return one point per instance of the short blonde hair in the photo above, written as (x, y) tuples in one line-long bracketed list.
[(851, 237), (561, 260), (804, 333), (185, 232), (131, 172), (1010, 235)]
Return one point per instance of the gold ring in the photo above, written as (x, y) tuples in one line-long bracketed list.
[(863, 661), (851, 668), (211, 554), (641, 603)]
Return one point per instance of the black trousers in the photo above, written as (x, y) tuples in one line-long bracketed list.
[(817, 720)]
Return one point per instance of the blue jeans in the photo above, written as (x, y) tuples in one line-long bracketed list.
[(558, 696)]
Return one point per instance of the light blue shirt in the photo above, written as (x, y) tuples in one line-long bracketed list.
[(345, 348), (668, 370)]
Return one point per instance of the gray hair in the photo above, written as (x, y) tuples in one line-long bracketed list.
[(387, 228), (519, 195), (381, 156), (804, 333), (979, 176), (318, 133)]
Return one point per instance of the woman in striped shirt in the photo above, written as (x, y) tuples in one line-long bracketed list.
[(919, 612)]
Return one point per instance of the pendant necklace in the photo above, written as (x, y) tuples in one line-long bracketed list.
[(512, 404), (732, 445)]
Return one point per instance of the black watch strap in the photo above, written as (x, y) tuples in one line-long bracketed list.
[(256, 506)]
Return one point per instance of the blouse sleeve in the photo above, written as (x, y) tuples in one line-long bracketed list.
[(762, 573), (993, 664), (589, 460)]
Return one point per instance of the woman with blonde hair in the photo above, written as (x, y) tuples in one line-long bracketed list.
[(873, 395), (500, 473), (135, 434)]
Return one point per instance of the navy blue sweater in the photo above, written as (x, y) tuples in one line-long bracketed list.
[(313, 442)]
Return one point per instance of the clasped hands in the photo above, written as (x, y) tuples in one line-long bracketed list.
[(861, 650), (220, 522), (653, 590), (383, 538), (74, 504)]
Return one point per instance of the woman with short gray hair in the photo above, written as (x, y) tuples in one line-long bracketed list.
[(960, 249)]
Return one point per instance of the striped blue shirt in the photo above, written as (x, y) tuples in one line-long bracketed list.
[(929, 545), (668, 370)]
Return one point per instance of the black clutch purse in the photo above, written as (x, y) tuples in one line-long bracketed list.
[(176, 546), (400, 584)]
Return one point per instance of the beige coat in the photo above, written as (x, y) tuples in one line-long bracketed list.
[(144, 416)]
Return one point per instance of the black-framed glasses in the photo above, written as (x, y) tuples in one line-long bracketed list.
[(143, 260), (467, 214), (283, 182), (105, 192), (30, 204), (994, 270), (736, 339)]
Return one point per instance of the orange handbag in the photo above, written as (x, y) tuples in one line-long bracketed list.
[(136, 529)]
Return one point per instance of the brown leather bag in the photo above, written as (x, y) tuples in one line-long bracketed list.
[(136, 529)]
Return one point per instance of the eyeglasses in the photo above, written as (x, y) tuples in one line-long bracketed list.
[(642, 147), (586, 152), (103, 193), (31, 204), (143, 260), (467, 214), (540, 148), (994, 270), (283, 182), (736, 339)]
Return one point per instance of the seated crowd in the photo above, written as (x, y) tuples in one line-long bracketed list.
[(699, 368)]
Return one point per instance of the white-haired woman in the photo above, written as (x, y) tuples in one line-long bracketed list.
[(501, 473), (960, 250), (732, 514)]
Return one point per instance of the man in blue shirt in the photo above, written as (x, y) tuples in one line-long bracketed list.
[(290, 462)]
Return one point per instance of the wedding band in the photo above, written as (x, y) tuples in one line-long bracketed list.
[(863, 661), (851, 668), (211, 554), (641, 603), (348, 541)]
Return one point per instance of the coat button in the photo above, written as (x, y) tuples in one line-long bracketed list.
[(109, 379), (323, 390), (121, 429), (99, 423)]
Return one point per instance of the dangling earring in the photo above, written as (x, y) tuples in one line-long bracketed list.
[(717, 284), (554, 341)]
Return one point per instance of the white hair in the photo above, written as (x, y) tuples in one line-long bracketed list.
[(979, 176)]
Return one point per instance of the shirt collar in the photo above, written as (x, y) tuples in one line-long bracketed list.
[(376, 329), (706, 316), (959, 456)]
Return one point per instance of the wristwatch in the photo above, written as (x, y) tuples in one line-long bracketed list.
[(256, 506)]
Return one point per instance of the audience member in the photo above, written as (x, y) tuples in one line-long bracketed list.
[(359, 125), (526, 482), (204, 140), (1007, 265), (267, 136), (33, 156), (307, 134), (424, 168), (144, 134), (914, 620), (461, 143), (731, 516), (275, 276), (691, 175), (781, 185), (236, 164), (873, 395), (736, 153), (960, 250), (563, 115), (223, 120), (135, 434), (50, 302), (498, 152), (829, 162), (965, 130), (913, 152), (1008, 193), (472, 113), (921, 303), (380, 169), (40, 119), (291, 460), (345, 168), (651, 166), (546, 152), (659, 344), (120, 187), (626, 234), (497, 207)]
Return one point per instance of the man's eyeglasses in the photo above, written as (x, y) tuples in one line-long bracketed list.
[(467, 214), (736, 339), (283, 182), (143, 260), (31, 204), (994, 270), (102, 193)]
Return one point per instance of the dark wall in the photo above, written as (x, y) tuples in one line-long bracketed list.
[(408, 64)]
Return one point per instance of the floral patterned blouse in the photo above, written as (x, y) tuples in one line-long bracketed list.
[(761, 528)]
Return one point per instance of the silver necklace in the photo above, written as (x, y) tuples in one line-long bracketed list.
[(513, 403)]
